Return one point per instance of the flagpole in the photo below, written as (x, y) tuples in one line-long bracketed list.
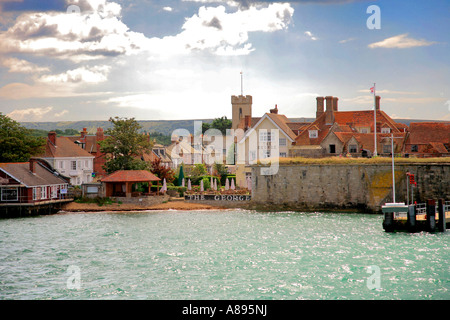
[(374, 121)]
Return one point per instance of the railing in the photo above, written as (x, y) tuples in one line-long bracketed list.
[(421, 208), (26, 199)]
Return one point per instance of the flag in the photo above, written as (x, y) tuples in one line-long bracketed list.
[(372, 90)]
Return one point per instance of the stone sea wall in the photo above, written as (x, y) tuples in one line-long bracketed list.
[(348, 187)]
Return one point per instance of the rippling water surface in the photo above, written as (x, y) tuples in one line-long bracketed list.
[(219, 255)]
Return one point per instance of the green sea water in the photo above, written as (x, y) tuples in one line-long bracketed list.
[(234, 254)]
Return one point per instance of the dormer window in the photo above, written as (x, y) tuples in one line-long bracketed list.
[(385, 130), (313, 134)]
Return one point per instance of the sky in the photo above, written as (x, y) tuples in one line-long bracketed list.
[(71, 60)]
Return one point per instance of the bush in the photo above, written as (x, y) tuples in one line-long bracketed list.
[(180, 190)]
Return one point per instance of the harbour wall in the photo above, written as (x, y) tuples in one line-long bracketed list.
[(346, 187)]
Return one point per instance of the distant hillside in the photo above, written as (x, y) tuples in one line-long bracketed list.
[(165, 127)]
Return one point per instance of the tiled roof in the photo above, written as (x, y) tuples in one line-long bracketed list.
[(426, 132), (131, 176), (64, 148), (21, 171), (366, 140), (90, 142), (281, 121), (364, 118)]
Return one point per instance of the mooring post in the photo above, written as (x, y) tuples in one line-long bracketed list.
[(388, 223), (431, 215), (441, 211), (411, 218)]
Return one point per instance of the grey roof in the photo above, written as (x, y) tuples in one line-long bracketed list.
[(21, 171)]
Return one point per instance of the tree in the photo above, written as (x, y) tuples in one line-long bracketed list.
[(162, 171), (125, 146), (16, 142), (221, 124)]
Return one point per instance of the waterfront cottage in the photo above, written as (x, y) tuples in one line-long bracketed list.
[(31, 183), (69, 159)]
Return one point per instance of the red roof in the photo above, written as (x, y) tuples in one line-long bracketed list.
[(131, 176), (64, 148), (426, 132)]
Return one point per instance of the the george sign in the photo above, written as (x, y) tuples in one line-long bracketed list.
[(218, 197)]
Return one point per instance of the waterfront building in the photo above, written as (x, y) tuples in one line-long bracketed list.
[(428, 139), (69, 159), (90, 143), (32, 183)]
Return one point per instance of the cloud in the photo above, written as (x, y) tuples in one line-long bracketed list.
[(400, 42), (22, 66), (169, 9), (310, 35), (347, 40), (94, 74), (31, 114)]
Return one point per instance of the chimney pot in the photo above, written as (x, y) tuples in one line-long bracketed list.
[(33, 165), (377, 102), (52, 137), (319, 110)]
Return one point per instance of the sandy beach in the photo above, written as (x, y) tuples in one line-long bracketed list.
[(171, 205)]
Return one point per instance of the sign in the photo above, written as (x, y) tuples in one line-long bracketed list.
[(218, 197), (63, 191)]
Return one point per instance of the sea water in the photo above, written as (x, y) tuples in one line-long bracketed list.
[(231, 254)]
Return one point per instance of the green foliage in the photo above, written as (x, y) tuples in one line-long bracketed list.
[(162, 171), (98, 200), (16, 142), (180, 190), (124, 146), (207, 182), (160, 138), (221, 124)]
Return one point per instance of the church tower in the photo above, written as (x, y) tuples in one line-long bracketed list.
[(241, 107)]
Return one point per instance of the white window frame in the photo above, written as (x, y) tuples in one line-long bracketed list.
[(385, 130), (313, 134), (283, 142), (283, 155), (72, 163), (4, 193), (44, 192), (265, 136), (350, 148)]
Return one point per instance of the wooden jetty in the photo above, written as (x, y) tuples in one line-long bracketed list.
[(417, 217)]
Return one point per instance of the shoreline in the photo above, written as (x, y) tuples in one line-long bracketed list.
[(171, 205)]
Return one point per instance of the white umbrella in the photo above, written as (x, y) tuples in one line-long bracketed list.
[(182, 182), (164, 187), (201, 185), (227, 184), (212, 183), (215, 184), (249, 183), (232, 184), (189, 185)]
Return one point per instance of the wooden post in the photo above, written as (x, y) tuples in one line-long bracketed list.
[(388, 223), (431, 215), (441, 223), (411, 219)]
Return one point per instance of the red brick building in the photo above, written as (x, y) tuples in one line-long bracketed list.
[(428, 139)]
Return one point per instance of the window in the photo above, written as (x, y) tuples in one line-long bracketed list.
[(54, 192), (252, 155), (10, 194), (43, 192), (264, 136), (385, 130), (282, 141), (386, 148), (332, 148), (364, 130), (313, 134), (283, 155), (61, 164), (353, 148), (73, 165), (414, 148), (35, 193), (86, 164)]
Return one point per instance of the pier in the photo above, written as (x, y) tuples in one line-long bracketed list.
[(431, 216)]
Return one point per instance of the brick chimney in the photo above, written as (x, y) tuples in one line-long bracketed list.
[(377, 102), (52, 137), (33, 163), (248, 122), (83, 133), (319, 110), (329, 116), (274, 110), (99, 134), (335, 103)]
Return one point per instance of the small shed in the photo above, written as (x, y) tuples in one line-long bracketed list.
[(119, 183)]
